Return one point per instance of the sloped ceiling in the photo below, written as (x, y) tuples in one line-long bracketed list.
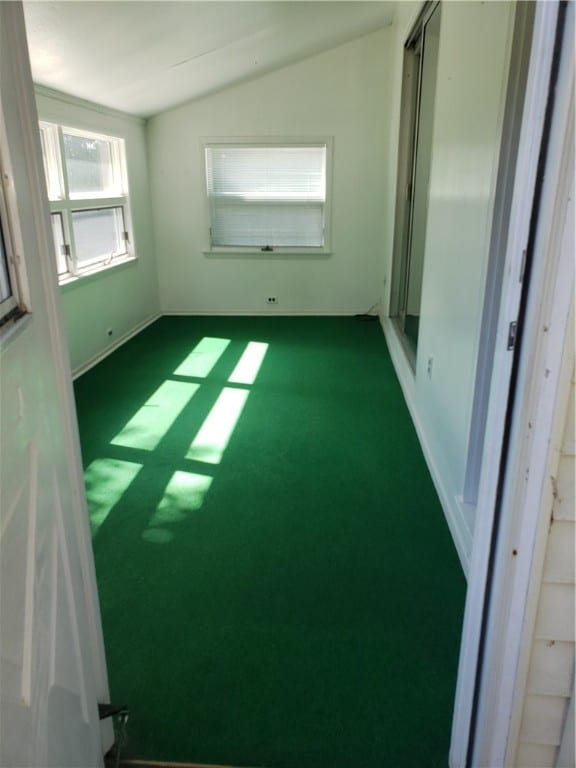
[(145, 57)]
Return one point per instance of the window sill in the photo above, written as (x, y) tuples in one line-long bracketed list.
[(13, 329), (258, 253), (70, 280)]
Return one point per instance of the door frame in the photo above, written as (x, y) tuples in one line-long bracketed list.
[(513, 481)]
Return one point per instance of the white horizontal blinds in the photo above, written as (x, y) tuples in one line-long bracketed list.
[(266, 196)]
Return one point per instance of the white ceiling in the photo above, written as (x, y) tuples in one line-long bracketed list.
[(145, 57)]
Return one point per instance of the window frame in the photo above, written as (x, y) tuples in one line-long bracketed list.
[(12, 307), (262, 142), (65, 203)]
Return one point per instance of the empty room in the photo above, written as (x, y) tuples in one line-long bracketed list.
[(287, 384)]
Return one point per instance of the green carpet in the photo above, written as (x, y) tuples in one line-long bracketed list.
[(277, 581)]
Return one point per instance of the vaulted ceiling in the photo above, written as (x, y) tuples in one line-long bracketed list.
[(145, 57)]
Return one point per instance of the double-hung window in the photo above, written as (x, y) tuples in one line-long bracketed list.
[(267, 196), (88, 191)]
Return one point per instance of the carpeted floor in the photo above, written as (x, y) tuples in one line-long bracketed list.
[(277, 581)]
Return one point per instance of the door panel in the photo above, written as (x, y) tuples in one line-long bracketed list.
[(52, 668)]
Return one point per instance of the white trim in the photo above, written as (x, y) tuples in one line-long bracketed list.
[(13, 19), (522, 201), (258, 313), (66, 280), (505, 178), (67, 204), (281, 251), (527, 479), (67, 98), (269, 141), (208, 313), (112, 347), (451, 506)]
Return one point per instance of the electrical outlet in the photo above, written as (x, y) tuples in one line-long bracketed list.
[(429, 367), (272, 300)]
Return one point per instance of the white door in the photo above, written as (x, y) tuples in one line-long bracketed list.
[(52, 668)]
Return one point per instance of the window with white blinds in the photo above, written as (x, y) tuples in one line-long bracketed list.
[(266, 196)]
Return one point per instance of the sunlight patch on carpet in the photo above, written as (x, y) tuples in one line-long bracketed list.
[(215, 433), (249, 364), (203, 357), (106, 482), (151, 422)]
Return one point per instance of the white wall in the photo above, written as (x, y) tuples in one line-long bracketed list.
[(344, 93), (475, 42), (126, 296)]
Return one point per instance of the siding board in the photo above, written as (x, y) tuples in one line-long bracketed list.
[(536, 755), (555, 619), (559, 563), (564, 503), (552, 659), (568, 444), (543, 720), (551, 668)]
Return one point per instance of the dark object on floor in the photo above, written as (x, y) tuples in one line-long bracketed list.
[(119, 714)]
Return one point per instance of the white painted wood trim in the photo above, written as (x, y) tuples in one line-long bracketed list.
[(528, 151), (520, 47), (461, 534), (67, 98), (537, 401), (118, 343), (167, 313), (263, 313)]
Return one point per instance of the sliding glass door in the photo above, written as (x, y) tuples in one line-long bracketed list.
[(420, 65)]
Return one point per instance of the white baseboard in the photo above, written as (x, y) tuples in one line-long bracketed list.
[(451, 505), (111, 347), (208, 313), (258, 313)]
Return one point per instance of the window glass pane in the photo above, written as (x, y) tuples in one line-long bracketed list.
[(59, 244), (5, 286), (89, 166), (266, 196), (98, 235)]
